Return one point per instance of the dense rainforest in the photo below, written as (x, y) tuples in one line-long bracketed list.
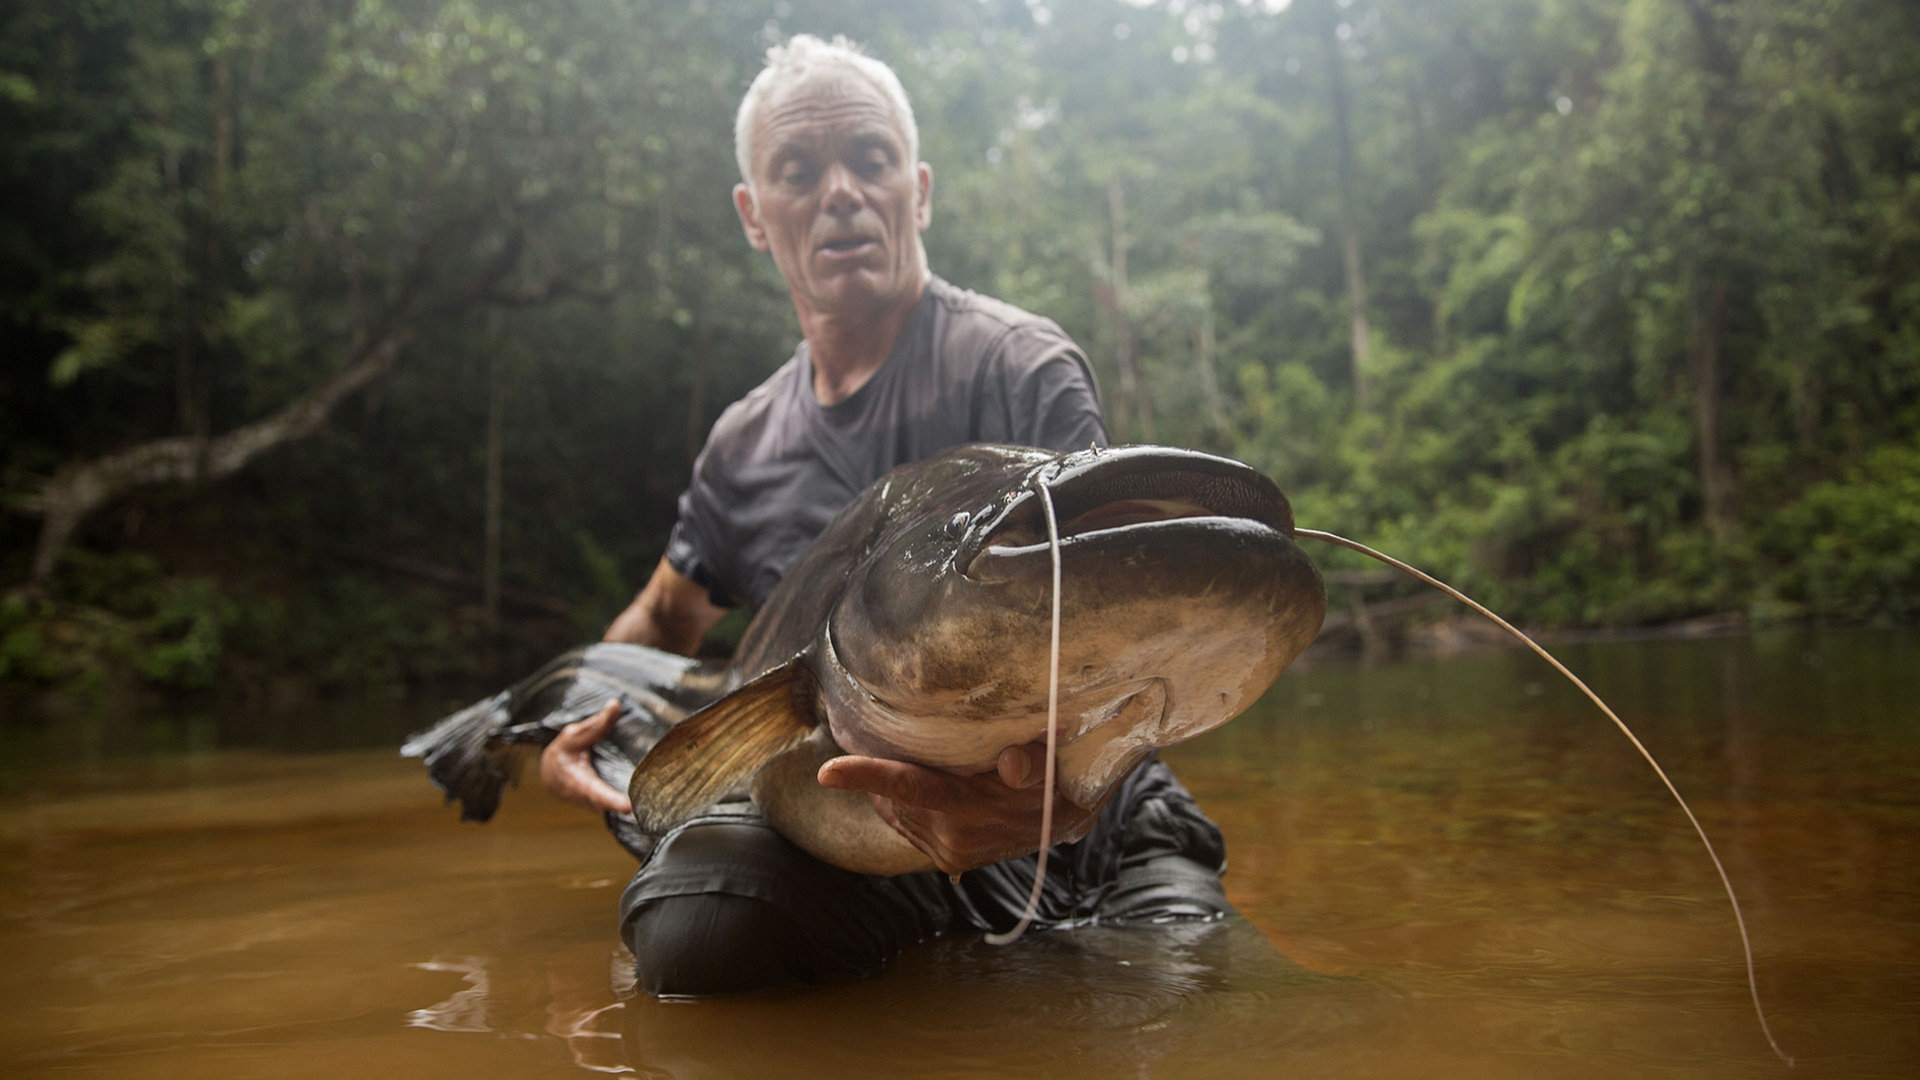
[(365, 344)]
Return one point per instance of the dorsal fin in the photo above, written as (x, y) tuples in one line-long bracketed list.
[(723, 744)]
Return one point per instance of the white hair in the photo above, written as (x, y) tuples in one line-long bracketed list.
[(800, 58)]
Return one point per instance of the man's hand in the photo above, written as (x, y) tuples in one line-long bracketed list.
[(566, 765), (962, 821), (670, 612)]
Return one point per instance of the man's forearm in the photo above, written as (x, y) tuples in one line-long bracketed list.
[(640, 625), (671, 612)]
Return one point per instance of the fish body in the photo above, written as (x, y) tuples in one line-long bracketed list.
[(916, 628)]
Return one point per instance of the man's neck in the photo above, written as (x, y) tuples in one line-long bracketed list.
[(846, 350)]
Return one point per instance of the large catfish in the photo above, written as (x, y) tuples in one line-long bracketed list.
[(916, 628)]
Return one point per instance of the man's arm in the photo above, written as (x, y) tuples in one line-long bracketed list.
[(671, 612)]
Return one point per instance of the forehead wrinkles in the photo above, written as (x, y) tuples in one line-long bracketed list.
[(820, 112)]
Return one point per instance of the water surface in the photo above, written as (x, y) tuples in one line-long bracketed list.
[(1447, 868)]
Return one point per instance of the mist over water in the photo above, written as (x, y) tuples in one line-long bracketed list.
[(1446, 867)]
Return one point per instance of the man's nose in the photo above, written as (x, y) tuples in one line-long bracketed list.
[(842, 194)]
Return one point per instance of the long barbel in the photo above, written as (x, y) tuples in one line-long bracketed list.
[(1726, 882)]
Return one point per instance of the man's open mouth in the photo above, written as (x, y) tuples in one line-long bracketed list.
[(846, 244)]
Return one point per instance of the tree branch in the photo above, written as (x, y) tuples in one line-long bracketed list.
[(77, 490)]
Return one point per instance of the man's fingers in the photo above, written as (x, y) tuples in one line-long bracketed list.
[(1022, 766), (582, 734), (876, 776), (566, 769), (1018, 767), (961, 821), (603, 796), (899, 781), (855, 774), (573, 780)]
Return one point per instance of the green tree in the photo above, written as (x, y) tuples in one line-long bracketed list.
[(302, 192)]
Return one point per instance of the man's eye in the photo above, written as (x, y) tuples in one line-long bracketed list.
[(797, 177)]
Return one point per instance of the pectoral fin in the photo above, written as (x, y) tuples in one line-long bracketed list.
[(723, 744)]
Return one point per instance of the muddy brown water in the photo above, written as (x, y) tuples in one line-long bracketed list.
[(1446, 868)]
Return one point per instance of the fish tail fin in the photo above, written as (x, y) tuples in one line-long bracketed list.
[(466, 760), (710, 752)]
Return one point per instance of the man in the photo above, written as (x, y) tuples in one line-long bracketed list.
[(895, 365)]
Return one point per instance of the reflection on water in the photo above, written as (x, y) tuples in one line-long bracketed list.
[(466, 1010), (1464, 869)]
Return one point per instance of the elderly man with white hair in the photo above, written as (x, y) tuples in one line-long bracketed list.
[(895, 365)]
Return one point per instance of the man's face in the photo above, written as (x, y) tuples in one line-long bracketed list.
[(839, 205)]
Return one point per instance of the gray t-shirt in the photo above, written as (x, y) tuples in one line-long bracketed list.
[(779, 465)]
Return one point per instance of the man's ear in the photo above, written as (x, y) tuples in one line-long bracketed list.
[(749, 211), (923, 213)]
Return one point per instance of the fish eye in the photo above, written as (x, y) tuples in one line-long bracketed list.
[(957, 524)]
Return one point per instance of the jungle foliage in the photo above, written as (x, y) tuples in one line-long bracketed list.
[(371, 339)]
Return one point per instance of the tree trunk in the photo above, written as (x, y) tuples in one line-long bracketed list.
[(1131, 399), (1707, 299), (697, 393), (77, 490), (495, 501), (1349, 218), (1707, 325), (1204, 347), (193, 376), (1357, 329)]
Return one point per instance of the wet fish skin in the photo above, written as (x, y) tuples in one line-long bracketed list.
[(916, 628)]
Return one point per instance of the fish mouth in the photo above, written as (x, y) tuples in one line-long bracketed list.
[(1104, 494)]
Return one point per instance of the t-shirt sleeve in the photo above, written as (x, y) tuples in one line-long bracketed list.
[(1051, 399), (683, 555), (697, 544)]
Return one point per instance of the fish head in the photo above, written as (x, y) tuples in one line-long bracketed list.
[(1182, 598)]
